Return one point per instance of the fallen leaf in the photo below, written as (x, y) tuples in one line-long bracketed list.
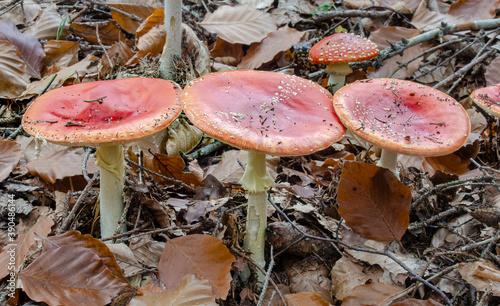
[(310, 276), (61, 53), (415, 302), (14, 74), (140, 9), (239, 24), (29, 47), (467, 10), (481, 274), (23, 243), (199, 49), (182, 137), (108, 32), (88, 65), (305, 299), (373, 201), (258, 4), (191, 291), (156, 18), (372, 294), (150, 44), (346, 275), (58, 165), (204, 256), (10, 154), (70, 275), (492, 73), (48, 24), (278, 41)]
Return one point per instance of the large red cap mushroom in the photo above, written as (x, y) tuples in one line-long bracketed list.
[(105, 114), (488, 98), (263, 113), (402, 117), (337, 51)]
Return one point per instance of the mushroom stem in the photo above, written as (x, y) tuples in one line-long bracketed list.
[(389, 160), (337, 73), (257, 181), (111, 163)]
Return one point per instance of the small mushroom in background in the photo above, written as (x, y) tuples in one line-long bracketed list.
[(263, 113), (337, 51), (488, 98), (105, 114), (402, 117)]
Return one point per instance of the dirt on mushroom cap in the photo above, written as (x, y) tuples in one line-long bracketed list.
[(264, 111), (403, 116), (114, 111)]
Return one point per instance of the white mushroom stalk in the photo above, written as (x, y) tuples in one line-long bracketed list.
[(112, 167), (256, 180)]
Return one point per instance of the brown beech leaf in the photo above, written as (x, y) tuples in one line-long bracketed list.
[(14, 74), (156, 18), (373, 201), (280, 40), (492, 73), (372, 294), (58, 165), (109, 33), (30, 48), (467, 10), (172, 167), (62, 53), (225, 52), (150, 44), (75, 238), (88, 65), (197, 47), (239, 24), (204, 256), (119, 53), (71, 275), (455, 163), (10, 154), (48, 24), (481, 274), (415, 302), (305, 299), (138, 9), (191, 291), (23, 243)]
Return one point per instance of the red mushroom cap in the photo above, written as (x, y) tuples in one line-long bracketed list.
[(267, 112), (342, 48), (403, 116), (104, 112), (488, 98)]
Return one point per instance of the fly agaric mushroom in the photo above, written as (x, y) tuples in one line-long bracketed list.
[(488, 98), (337, 51), (263, 113), (402, 117), (105, 114)]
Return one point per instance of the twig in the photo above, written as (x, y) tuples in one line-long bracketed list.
[(268, 277), (372, 251), (133, 17), (173, 181), (161, 230), (69, 219), (464, 69), (250, 260)]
